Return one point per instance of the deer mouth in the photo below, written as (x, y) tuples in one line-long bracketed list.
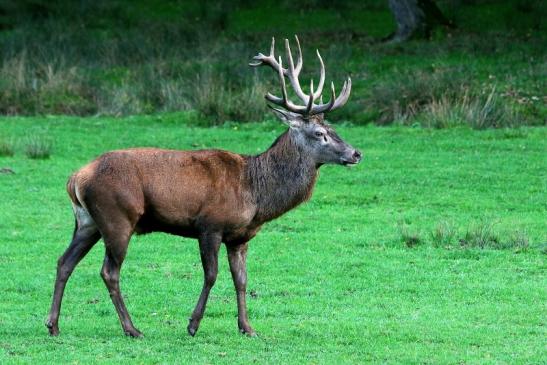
[(350, 162)]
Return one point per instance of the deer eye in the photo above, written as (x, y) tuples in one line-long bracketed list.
[(319, 134)]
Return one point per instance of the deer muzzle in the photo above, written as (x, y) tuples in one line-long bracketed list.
[(352, 157)]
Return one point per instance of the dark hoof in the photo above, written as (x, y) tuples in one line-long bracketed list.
[(249, 332), (52, 328), (191, 330), (193, 326), (133, 332)]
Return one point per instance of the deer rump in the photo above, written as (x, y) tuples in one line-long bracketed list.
[(176, 192)]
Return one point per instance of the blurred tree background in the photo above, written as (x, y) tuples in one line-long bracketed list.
[(146, 56), (415, 18)]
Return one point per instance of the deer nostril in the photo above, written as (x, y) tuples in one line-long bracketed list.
[(357, 154)]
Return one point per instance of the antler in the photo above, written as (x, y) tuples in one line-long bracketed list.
[(292, 73)]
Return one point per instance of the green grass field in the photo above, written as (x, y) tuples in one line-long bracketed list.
[(432, 250)]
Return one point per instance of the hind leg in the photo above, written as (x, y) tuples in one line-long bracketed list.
[(116, 249), (85, 236)]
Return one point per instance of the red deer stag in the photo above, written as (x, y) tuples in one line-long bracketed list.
[(212, 195)]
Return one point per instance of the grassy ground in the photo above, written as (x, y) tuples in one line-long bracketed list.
[(384, 264)]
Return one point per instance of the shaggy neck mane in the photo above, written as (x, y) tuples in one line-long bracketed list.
[(280, 178)]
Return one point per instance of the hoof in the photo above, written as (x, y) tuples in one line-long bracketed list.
[(133, 332), (192, 327), (191, 330), (249, 332), (52, 328)]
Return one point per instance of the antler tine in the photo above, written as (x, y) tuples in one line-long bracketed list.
[(293, 75), (344, 95), (300, 61), (261, 59), (311, 99), (282, 79), (321, 77), (318, 109), (272, 48), (275, 99)]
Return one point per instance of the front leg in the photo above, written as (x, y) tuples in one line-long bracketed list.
[(209, 244), (237, 256)]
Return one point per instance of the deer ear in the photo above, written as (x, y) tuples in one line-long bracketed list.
[(293, 120)]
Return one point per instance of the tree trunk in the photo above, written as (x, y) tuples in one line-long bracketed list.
[(415, 18)]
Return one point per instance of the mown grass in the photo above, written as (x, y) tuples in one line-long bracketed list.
[(332, 281), (116, 58)]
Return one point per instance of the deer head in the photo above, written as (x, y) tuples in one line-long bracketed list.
[(307, 122)]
